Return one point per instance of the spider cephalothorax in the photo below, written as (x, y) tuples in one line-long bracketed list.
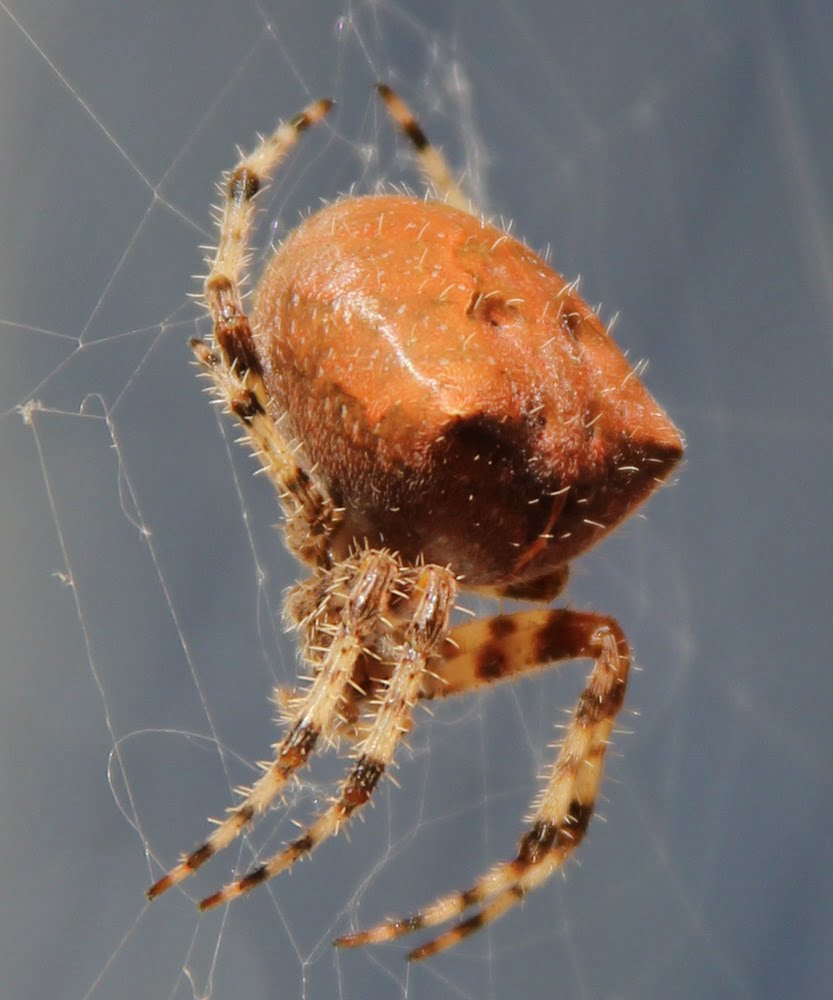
[(438, 409)]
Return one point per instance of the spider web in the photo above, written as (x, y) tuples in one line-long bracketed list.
[(682, 163)]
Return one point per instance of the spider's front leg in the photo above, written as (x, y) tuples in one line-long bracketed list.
[(234, 363), (484, 652), (366, 583), (426, 616)]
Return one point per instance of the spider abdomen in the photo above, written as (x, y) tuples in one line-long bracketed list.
[(454, 394)]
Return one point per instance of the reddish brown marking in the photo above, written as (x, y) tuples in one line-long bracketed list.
[(297, 482), (492, 309), (536, 843), (245, 814), (572, 831), (246, 407), (463, 930), (501, 626), (199, 857), (219, 285), (301, 122), (243, 184), (571, 635), (410, 126), (255, 877), (303, 845), (593, 707), (299, 745), (572, 315), (408, 924), (491, 662), (234, 337), (470, 897), (211, 901), (159, 887), (363, 780), (246, 884)]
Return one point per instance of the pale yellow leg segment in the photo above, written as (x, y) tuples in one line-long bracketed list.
[(433, 602), (372, 579), (563, 811), (431, 161)]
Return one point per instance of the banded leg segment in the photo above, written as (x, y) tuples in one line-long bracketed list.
[(496, 649), (431, 161), (372, 581), (223, 295), (563, 811), (435, 589), (311, 516), (235, 367)]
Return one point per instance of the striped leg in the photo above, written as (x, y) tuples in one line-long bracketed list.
[(500, 648), (371, 580), (431, 161), (428, 622), (234, 366)]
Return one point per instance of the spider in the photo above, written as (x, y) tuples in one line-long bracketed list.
[(438, 410)]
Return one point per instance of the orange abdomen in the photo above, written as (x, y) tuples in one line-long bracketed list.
[(453, 392)]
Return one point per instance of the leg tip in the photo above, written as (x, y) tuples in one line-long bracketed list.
[(159, 887), (210, 902), (422, 952)]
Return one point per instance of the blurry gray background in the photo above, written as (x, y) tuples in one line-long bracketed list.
[(680, 158)]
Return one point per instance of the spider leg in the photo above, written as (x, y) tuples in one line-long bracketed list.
[(222, 285), (234, 366), (431, 161), (348, 724), (499, 648), (513, 644), (371, 580), (435, 588)]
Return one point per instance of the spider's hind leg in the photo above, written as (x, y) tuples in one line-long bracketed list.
[(233, 362), (431, 161), (503, 647)]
